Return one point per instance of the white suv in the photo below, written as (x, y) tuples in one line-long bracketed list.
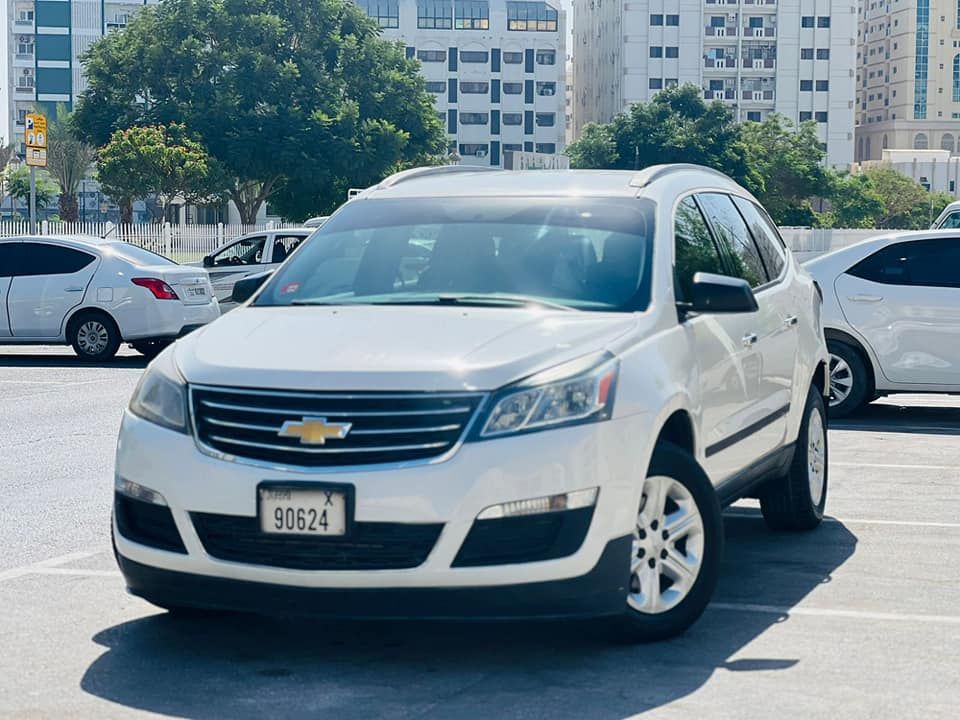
[(486, 394)]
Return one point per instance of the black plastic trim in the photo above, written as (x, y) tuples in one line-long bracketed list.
[(741, 485), (147, 524), (741, 435)]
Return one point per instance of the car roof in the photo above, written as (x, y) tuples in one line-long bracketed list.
[(857, 251), (90, 241), (465, 181)]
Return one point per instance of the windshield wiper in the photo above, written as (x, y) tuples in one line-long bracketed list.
[(498, 299)]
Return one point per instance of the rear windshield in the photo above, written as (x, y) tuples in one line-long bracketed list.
[(583, 253), (136, 255)]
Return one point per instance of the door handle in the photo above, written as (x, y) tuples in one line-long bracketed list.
[(791, 321), (749, 340), (74, 288), (865, 298)]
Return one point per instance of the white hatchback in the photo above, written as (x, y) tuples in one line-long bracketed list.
[(486, 395), (891, 315), (95, 294)]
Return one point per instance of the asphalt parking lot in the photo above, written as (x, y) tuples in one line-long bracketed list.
[(859, 619)]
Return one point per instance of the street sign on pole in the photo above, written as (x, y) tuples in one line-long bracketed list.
[(36, 142)]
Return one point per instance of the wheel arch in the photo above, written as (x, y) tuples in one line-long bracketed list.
[(79, 311), (678, 429), (858, 346)]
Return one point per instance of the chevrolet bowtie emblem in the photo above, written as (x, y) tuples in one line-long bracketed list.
[(314, 430)]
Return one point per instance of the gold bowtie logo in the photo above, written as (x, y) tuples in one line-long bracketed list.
[(314, 430)]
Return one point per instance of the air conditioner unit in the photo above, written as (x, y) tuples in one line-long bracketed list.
[(721, 32), (27, 72), (757, 64), (732, 17), (25, 39), (481, 153), (758, 32)]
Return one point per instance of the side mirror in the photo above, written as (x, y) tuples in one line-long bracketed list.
[(721, 294), (244, 289), (208, 260)]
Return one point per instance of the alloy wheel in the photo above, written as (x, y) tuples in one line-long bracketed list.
[(816, 456), (668, 544), (93, 337), (841, 380)]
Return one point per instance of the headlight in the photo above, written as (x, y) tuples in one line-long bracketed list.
[(576, 392), (161, 395)]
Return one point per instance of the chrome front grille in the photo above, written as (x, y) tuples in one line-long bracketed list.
[(381, 427)]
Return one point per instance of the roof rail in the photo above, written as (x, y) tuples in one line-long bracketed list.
[(420, 172), (655, 172)]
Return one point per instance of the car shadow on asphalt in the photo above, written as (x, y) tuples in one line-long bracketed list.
[(241, 666), (43, 360), (889, 417)]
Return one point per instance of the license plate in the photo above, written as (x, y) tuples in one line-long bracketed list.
[(292, 511), (196, 292)]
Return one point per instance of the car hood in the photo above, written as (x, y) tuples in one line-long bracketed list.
[(390, 348)]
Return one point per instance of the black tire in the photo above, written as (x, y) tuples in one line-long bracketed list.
[(787, 502), (859, 392), (150, 348), (637, 626), (81, 327)]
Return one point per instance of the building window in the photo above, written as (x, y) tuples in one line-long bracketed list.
[(753, 116), (920, 141), (823, 21), (471, 15), (671, 82), (547, 89), (513, 147), (512, 58), (25, 16), (823, 85), (956, 78), (718, 21), (656, 84), (823, 54), (474, 56), (656, 19), (21, 116), (531, 17), (474, 118), (755, 22), (921, 67), (546, 57), (806, 53), (672, 51), (474, 88), (25, 81), (946, 142), (512, 119), (656, 51), (548, 148), (806, 21), (546, 119), (434, 14), (820, 117), (385, 12), (438, 88), (673, 20), (24, 50), (806, 85), (512, 88), (478, 149), (805, 115), (429, 56)]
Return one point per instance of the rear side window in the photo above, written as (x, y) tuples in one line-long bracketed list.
[(695, 248), (764, 235), (8, 258), (951, 221), (735, 240), (43, 259), (931, 263)]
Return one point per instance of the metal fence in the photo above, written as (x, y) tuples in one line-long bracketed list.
[(183, 243)]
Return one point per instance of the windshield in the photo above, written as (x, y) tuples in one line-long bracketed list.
[(579, 253)]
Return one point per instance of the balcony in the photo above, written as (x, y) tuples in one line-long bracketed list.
[(724, 63), (760, 3), (729, 31), (726, 94), (759, 32), (759, 64), (757, 96), (23, 60), (24, 92), (25, 27)]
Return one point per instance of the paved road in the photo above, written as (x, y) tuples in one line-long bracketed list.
[(856, 620)]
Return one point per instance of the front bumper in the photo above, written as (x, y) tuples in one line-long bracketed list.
[(597, 593), (449, 495)]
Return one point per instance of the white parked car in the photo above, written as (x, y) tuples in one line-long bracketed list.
[(486, 394), (891, 314), (95, 294), (949, 218), (249, 255)]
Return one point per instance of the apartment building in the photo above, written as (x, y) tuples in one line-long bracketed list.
[(908, 77), (793, 57), (495, 67), (45, 42)]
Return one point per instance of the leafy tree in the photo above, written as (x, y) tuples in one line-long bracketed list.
[(596, 148), (854, 202), (906, 204), (297, 100), (17, 181), (160, 161), (68, 159)]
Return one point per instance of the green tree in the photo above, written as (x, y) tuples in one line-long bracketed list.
[(297, 100), (160, 161), (17, 181), (68, 159), (595, 148), (906, 204), (854, 202)]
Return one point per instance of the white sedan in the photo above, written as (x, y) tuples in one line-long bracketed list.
[(891, 315), (95, 294)]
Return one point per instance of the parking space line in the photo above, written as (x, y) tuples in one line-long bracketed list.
[(892, 466), (54, 382), (827, 612), (82, 572), (44, 564), (858, 521)]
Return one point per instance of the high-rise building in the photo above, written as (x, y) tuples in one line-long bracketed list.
[(46, 40), (495, 67), (793, 57), (908, 77)]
